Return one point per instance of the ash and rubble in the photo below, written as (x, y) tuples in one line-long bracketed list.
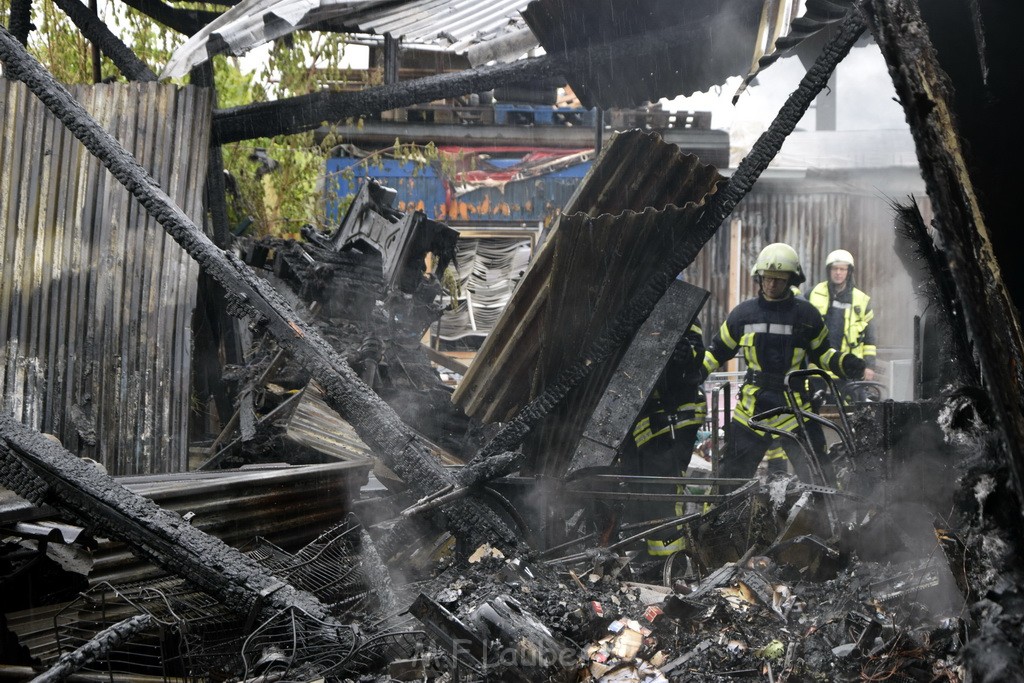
[(883, 576), (907, 569), (888, 575)]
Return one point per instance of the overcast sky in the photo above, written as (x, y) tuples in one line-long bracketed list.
[(865, 92)]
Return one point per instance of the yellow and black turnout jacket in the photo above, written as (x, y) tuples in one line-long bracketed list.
[(774, 337)]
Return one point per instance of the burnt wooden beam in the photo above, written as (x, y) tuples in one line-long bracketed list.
[(20, 20), (97, 54), (43, 473), (186, 21), (96, 32), (392, 58), (306, 112), (99, 646), (924, 91), (252, 298)]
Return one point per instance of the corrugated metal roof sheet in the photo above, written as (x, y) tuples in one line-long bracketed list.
[(638, 199), (452, 25), (714, 39), (96, 299), (818, 15)]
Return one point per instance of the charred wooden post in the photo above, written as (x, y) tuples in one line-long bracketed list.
[(186, 21), (96, 32), (251, 297), (103, 643), (924, 91), (626, 323), (970, 216), (20, 22)]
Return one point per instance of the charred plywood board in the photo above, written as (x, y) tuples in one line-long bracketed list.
[(636, 375)]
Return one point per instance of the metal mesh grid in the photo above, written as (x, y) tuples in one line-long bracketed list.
[(197, 639)]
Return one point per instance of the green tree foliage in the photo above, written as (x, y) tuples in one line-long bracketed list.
[(278, 183)]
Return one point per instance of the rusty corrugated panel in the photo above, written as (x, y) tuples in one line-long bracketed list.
[(96, 299), (618, 227), (716, 40)]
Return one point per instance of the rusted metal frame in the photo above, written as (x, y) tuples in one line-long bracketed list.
[(719, 206), (924, 90), (186, 21), (251, 297), (96, 32), (306, 112), (99, 646)]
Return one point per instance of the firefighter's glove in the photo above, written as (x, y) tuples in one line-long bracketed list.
[(853, 367)]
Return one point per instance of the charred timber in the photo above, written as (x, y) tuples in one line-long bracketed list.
[(20, 21), (186, 21), (306, 112), (97, 33), (251, 297), (45, 474), (102, 644), (924, 90), (628, 321)]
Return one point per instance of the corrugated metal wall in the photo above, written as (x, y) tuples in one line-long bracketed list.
[(814, 223), (96, 300)]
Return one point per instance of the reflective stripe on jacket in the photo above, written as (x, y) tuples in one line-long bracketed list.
[(677, 400), (858, 335), (774, 337)]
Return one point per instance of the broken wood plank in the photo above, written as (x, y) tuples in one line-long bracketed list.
[(925, 92), (445, 360)]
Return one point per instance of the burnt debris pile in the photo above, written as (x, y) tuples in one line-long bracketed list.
[(372, 287)]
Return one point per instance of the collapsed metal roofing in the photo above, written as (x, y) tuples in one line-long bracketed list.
[(451, 25), (641, 197), (818, 16)]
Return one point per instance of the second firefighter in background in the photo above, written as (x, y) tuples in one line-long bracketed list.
[(665, 433)]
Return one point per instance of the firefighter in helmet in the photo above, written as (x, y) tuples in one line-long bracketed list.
[(666, 430), (776, 332), (847, 310)]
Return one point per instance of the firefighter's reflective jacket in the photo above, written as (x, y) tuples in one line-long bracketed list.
[(677, 400), (848, 316), (775, 337)]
